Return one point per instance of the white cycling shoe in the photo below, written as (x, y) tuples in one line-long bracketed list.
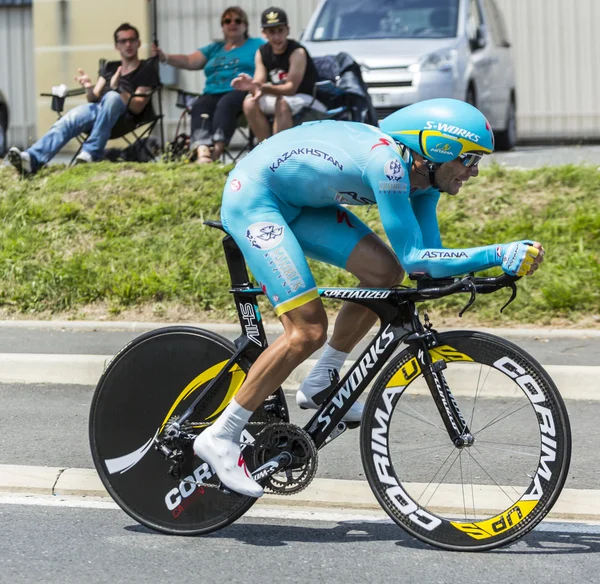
[(227, 461), (306, 402)]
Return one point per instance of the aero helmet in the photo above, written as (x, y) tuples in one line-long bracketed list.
[(441, 130)]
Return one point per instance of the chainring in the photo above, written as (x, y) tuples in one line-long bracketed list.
[(285, 437)]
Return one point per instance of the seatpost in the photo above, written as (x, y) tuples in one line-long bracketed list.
[(235, 263), (246, 303)]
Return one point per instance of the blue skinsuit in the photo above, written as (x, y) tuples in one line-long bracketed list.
[(284, 201)]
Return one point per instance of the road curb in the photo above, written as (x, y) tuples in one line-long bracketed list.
[(573, 504), (574, 382)]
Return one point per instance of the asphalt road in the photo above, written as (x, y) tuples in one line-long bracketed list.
[(47, 338), (47, 425), (545, 155), (69, 545)]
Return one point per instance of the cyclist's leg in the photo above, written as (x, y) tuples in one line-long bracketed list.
[(376, 266), (258, 223), (336, 236), (345, 241)]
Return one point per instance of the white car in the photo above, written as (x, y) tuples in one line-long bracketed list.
[(411, 50)]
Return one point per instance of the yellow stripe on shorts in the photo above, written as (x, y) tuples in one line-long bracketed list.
[(296, 302)]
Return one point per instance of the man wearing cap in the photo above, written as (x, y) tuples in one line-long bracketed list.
[(283, 82)]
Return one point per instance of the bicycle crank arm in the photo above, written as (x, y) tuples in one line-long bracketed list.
[(272, 466)]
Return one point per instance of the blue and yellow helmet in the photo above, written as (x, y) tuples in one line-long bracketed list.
[(440, 130)]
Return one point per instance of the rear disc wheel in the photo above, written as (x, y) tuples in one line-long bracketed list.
[(153, 379)]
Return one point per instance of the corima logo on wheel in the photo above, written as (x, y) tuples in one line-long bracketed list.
[(381, 457), (175, 499), (545, 418), (265, 235), (524, 506)]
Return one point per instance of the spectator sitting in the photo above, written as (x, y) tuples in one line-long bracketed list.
[(221, 61), (109, 99), (283, 80)]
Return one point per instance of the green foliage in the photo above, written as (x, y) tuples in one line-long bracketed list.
[(131, 235)]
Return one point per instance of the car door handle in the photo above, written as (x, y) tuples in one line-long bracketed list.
[(489, 61)]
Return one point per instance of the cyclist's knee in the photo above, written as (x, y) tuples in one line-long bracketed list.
[(307, 339), (305, 329)]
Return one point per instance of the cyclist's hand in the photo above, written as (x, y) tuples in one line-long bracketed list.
[(522, 258)]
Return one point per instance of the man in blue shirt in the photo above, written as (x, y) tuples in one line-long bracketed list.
[(284, 202)]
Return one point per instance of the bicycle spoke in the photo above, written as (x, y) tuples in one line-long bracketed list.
[(490, 475), (478, 387), (439, 482), (424, 449), (419, 417), (503, 415), (509, 450), (462, 482)]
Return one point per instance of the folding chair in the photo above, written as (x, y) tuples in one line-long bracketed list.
[(181, 143), (140, 126), (342, 90)]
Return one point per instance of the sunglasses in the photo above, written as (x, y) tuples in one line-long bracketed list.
[(470, 159), (127, 40), (230, 20)]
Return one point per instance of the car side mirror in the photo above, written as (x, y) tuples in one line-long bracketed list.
[(477, 41)]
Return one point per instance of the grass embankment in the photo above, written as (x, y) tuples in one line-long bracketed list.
[(116, 241)]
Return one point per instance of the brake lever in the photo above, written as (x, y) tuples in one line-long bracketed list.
[(471, 286), (513, 287)]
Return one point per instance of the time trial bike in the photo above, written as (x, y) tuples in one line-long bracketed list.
[(465, 439)]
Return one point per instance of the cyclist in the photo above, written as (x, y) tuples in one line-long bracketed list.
[(284, 202)]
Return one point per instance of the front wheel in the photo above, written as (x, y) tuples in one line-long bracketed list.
[(153, 379), (475, 497)]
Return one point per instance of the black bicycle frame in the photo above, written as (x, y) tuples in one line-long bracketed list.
[(399, 323)]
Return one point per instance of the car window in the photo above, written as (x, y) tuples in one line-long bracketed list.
[(497, 24), (474, 20), (353, 19)]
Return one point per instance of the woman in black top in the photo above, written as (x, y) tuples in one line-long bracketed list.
[(283, 80)]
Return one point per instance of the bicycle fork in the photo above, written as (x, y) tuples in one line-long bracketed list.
[(455, 424)]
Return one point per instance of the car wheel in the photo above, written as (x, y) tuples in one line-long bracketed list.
[(470, 98), (2, 139), (506, 139)]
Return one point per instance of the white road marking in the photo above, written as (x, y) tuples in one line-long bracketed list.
[(306, 514)]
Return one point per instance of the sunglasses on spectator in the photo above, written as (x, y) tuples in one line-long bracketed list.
[(230, 20), (127, 40), (470, 159)]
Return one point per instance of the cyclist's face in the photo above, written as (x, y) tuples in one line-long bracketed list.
[(451, 176)]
